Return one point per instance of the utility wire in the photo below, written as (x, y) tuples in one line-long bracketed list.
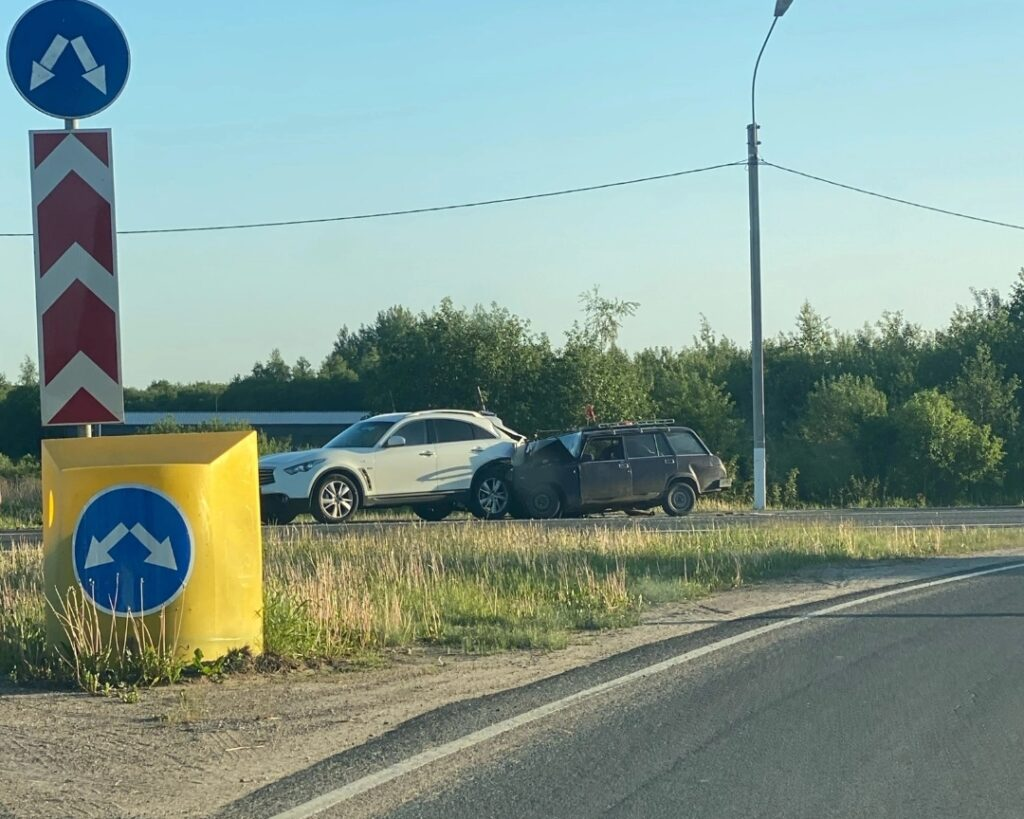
[(547, 195), (411, 211), (877, 195)]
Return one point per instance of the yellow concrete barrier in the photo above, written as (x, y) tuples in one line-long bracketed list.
[(161, 530)]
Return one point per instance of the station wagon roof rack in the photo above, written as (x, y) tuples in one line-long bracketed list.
[(649, 422)]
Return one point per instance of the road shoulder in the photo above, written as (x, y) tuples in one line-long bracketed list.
[(196, 748)]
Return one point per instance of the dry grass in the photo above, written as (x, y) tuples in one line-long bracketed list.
[(465, 586), (478, 587), (21, 501)]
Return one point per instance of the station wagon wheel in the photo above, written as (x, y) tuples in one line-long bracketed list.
[(490, 495), (335, 499), (544, 503), (680, 499)]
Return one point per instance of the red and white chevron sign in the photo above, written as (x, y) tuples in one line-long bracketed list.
[(76, 278)]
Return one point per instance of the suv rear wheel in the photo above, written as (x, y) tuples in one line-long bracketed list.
[(335, 499), (680, 499), (490, 494), (433, 511)]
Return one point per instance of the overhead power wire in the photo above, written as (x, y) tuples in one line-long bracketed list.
[(895, 199), (412, 211), (546, 195)]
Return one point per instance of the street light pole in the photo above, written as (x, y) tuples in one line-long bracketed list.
[(757, 339)]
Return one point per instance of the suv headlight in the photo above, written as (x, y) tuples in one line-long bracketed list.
[(304, 467)]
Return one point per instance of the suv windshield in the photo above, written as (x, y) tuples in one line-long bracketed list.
[(363, 435)]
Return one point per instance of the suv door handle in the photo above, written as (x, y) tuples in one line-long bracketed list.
[(426, 453), (670, 460), (477, 449), (623, 465)]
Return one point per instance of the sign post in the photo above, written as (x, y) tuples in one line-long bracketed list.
[(162, 531), (69, 59), (76, 278)]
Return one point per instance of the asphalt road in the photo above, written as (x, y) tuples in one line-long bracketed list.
[(910, 706), (970, 517)]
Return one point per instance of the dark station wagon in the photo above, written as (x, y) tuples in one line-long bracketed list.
[(611, 467)]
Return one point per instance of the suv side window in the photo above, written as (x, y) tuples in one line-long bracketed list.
[(641, 446), (415, 433), (448, 432), (482, 434), (603, 449), (686, 443)]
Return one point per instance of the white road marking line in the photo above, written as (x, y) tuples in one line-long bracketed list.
[(424, 758)]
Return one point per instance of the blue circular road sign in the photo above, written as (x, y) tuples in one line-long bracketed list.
[(68, 58), (132, 550)]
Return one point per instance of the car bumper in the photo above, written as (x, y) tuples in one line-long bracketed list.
[(273, 505), (277, 482), (718, 486)]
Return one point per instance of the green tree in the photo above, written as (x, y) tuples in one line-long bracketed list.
[(28, 373), (983, 392), (838, 408), (941, 453), (603, 317), (683, 390), (275, 369), (20, 426), (814, 334), (838, 435), (582, 375)]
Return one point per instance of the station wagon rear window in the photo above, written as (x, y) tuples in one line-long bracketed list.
[(686, 443)]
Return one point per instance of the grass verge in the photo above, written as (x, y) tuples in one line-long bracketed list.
[(20, 499), (466, 587)]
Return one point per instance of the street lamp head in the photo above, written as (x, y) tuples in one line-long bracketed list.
[(782, 6)]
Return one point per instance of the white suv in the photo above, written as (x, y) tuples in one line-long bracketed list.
[(433, 461)]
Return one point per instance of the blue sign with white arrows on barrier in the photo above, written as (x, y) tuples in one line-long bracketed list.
[(68, 58), (133, 550)]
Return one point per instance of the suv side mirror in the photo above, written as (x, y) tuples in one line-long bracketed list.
[(396, 440)]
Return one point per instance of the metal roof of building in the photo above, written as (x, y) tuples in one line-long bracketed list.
[(259, 419)]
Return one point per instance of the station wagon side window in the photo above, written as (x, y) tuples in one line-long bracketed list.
[(641, 446), (686, 443), (603, 449)]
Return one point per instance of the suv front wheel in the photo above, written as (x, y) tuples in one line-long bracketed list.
[(490, 494), (335, 499)]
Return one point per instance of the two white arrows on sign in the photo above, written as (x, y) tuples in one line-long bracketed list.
[(42, 71), (160, 551)]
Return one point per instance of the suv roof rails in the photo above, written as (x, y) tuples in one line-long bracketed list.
[(471, 413)]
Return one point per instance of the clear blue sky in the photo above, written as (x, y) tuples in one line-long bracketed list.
[(239, 111)]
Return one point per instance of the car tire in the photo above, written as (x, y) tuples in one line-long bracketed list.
[(277, 518), (517, 509), (544, 503), (335, 498), (433, 512), (679, 499), (490, 495)]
